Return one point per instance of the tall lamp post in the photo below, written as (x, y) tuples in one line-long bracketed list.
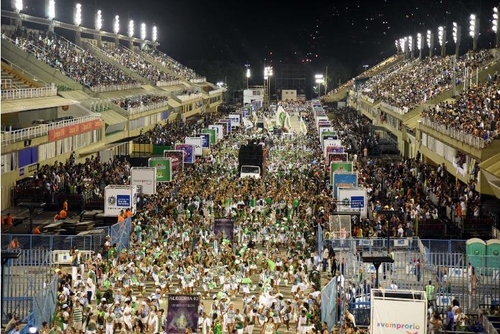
[(319, 81), (457, 36), (247, 74), (419, 45), (494, 26), (442, 40), (51, 13), (430, 42), (77, 20), (268, 73), (411, 46), (474, 30)]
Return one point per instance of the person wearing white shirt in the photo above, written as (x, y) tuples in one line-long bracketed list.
[(206, 324), (393, 286)]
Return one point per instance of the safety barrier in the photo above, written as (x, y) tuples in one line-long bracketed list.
[(456, 134), (29, 93), (112, 88), (152, 106)]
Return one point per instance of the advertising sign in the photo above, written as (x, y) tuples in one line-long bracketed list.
[(352, 200), (176, 160), (119, 197), (226, 121), (197, 144), (219, 128), (212, 133), (145, 178), (189, 156), (182, 313), (205, 140), (163, 168), (343, 180), (225, 227), (235, 120), (73, 130), (330, 143), (336, 157), (398, 312), (327, 135)]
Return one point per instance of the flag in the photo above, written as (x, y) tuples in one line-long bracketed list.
[(303, 126), (280, 117), (288, 121), (320, 241)]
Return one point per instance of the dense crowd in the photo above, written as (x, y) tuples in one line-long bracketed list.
[(419, 81), (74, 62), (132, 102), (173, 65), (136, 63), (475, 111)]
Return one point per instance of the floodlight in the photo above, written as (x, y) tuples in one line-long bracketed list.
[(51, 9), (18, 5), (419, 41), (98, 20), (472, 26), (131, 28), (78, 14), (154, 34), (455, 32), (116, 24), (319, 78), (410, 43), (440, 35), (429, 38), (494, 22), (248, 73), (143, 31)]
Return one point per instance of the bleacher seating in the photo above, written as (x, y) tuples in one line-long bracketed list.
[(12, 79)]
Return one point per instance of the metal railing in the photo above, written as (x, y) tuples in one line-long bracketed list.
[(187, 97), (29, 93), (198, 80), (14, 136), (393, 108), (168, 83), (459, 135), (112, 88), (147, 107)]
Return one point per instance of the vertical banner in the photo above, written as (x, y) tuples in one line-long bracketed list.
[(188, 152), (163, 168), (205, 140), (212, 133), (329, 303), (219, 130), (145, 177), (182, 313), (224, 226), (197, 144), (177, 160), (343, 180)]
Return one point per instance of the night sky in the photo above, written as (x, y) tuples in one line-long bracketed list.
[(354, 32)]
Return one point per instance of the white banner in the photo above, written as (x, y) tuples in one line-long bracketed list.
[(235, 120), (352, 200), (218, 129), (197, 143), (398, 312), (144, 177), (331, 142), (118, 197)]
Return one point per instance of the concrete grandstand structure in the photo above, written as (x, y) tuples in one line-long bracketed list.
[(80, 97), (464, 149)]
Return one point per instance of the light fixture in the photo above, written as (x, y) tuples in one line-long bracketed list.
[(143, 31), (429, 38), (248, 73), (440, 35), (455, 32), (98, 20), (32, 329), (116, 25), (18, 5), (396, 42), (472, 26), (154, 35), (51, 9), (268, 71), (494, 22), (419, 41), (131, 28), (318, 78), (410, 43), (78, 14)]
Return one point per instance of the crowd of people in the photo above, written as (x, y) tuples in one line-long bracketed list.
[(173, 65), (475, 111), (136, 63), (128, 103), (74, 62), (415, 82), (174, 247)]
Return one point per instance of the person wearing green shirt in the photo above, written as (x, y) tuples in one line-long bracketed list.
[(429, 292)]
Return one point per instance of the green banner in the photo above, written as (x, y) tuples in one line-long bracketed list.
[(158, 149), (339, 167), (163, 168), (213, 135)]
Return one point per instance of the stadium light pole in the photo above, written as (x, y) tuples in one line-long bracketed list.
[(494, 26), (77, 20), (442, 40), (116, 29), (248, 74), (457, 36), (411, 46), (154, 36), (51, 13), (430, 42), (143, 35), (268, 73), (131, 33), (319, 80), (419, 45), (18, 7), (396, 42), (474, 30), (98, 27), (402, 46)]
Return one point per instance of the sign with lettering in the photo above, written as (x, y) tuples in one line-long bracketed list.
[(73, 130)]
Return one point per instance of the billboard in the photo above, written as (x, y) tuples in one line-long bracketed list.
[(235, 120), (182, 313), (119, 197), (177, 160), (197, 144), (163, 168), (352, 200), (189, 156), (205, 140), (212, 133), (340, 167), (343, 180), (145, 178), (398, 312), (227, 122), (219, 128)]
